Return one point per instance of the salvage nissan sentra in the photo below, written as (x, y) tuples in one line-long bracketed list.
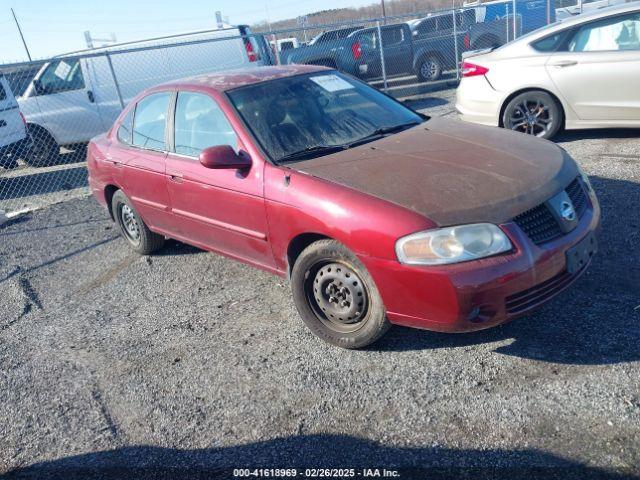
[(378, 215)]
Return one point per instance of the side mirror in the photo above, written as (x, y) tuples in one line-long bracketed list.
[(223, 156)]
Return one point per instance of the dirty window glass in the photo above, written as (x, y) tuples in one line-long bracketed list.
[(618, 33), (304, 112), (200, 123), (150, 121)]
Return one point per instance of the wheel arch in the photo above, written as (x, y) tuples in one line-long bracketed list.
[(423, 55), (532, 89), (298, 243), (33, 126), (109, 192)]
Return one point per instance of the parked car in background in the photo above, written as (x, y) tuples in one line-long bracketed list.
[(14, 140), (375, 213), (579, 73), (74, 97), (425, 54)]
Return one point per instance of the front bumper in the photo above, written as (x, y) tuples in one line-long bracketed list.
[(483, 293), (478, 102)]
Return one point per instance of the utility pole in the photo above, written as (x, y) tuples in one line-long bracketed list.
[(21, 36), (384, 15)]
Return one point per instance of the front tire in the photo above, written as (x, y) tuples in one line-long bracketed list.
[(535, 113), (336, 297), (132, 228)]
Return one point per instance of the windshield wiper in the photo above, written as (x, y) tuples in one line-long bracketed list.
[(381, 132), (312, 151)]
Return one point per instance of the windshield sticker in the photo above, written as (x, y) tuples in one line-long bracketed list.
[(62, 70), (332, 83)]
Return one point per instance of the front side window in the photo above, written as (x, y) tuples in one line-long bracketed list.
[(308, 115), (125, 130), (426, 26), (150, 120), (618, 33), (200, 123), (61, 76)]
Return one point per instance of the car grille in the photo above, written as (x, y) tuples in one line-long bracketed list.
[(539, 223), (526, 299)]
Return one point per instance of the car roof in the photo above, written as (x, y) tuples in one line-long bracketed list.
[(230, 79)]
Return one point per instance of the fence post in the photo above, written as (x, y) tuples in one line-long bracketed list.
[(515, 12), (455, 41), (115, 80), (384, 70)]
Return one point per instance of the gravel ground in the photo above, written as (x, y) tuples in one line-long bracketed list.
[(183, 363)]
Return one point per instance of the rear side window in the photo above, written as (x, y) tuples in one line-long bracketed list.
[(618, 33), (125, 131), (426, 26), (150, 121), (550, 43), (200, 123), (392, 36)]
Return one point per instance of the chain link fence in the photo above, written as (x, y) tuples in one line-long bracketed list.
[(63, 102)]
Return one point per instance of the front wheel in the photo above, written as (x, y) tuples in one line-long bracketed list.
[(336, 297), (535, 113)]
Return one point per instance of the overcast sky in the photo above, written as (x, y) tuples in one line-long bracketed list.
[(51, 27)]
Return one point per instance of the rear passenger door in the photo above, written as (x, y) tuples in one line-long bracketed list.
[(140, 155), (396, 46), (219, 209)]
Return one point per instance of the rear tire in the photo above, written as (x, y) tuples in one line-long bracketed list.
[(534, 112), (429, 69), (45, 150), (336, 297), (132, 227)]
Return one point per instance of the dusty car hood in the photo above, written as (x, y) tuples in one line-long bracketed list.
[(452, 172)]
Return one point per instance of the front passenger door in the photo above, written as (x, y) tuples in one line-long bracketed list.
[(219, 209)]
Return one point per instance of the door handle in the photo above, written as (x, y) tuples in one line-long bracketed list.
[(564, 63), (92, 98), (175, 177)]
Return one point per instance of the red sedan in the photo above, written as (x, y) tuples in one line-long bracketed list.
[(377, 214)]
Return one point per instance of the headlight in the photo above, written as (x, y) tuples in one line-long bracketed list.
[(452, 244)]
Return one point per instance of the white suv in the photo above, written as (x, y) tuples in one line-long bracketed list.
[(14, 141)]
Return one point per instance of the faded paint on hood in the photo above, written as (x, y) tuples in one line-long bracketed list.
[(452, 172)]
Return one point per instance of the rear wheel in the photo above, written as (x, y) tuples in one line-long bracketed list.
[(45, 150), (132, 228), (336, 296), (535, 113), (430, 69)]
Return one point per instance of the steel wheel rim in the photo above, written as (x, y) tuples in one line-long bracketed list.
[(337, 296), (531, 116), (130, 224), (428, 69)]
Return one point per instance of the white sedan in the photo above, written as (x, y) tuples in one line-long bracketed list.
[(583, 72)]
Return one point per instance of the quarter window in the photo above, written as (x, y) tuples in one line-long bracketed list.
[(150, 121), (126, 128), (61, 76), (618, 33), (200, 123)]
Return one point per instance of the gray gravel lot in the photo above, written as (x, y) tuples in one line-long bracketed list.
[(186, 362)]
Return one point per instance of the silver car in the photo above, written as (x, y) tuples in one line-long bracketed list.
[(582, 72)]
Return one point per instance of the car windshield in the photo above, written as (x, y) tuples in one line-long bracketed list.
[(309, 115)]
